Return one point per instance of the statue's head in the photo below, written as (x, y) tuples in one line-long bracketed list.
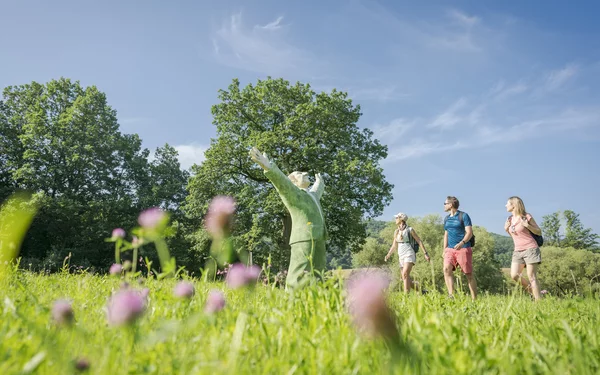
[(299, 179)]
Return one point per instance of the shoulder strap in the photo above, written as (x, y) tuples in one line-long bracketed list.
[(460, 217)]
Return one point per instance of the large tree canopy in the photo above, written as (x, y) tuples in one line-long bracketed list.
[(62, 142), (301, 131)]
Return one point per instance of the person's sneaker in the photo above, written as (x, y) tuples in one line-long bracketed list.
[(424, 291), (450, 296)]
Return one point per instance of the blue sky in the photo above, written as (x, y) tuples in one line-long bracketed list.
[(481, 100)]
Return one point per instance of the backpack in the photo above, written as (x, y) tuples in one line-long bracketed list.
[(460, 217), (414, 244), (538, 238)]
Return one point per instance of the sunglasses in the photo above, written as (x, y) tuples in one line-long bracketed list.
[(445, 203)]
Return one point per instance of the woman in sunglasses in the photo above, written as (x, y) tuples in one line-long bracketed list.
[(522, 227)]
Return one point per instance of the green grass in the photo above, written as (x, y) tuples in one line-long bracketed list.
[(268, 331)]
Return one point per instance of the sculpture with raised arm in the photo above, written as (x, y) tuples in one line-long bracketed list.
[(308, 234)]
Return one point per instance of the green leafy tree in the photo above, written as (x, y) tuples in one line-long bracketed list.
[(301, 131), (503, 249), (62, 142), (569, 271), (551, 229), (576, 235)]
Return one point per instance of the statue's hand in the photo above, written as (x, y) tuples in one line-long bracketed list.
[(318, 177), (260, 159)]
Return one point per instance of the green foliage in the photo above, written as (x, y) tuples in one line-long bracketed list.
[(503, 249), (575, 234), (372, 254), (301, 131), (270, 331), (61, 141), (551, 229), (16, 215), (568, 271)]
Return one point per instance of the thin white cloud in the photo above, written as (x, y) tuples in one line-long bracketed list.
[(394, 130), (190, 154), (461, 34), (449, 117), (418, 148), (463, 19), (501, 91), (493, 121), (557, 78), (275, 25), (261, 49)]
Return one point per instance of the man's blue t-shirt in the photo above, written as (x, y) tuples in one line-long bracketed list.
[(456, 232)]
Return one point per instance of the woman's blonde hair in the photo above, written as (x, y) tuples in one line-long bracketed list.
[(518, 205)]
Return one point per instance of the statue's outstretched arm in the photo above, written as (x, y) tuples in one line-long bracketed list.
[(319, 187), (286, 189)]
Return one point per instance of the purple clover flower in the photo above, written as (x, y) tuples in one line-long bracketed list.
[(215, 302), (125, 307), (220, 212), (62, 312), (239, 275), (367, 304), (151, 218), (184, 289), (118, 233), (115, 269)]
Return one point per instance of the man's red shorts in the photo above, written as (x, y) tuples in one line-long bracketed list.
[(462, 257)]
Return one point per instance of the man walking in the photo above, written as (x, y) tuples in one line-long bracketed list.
[(458, 238)]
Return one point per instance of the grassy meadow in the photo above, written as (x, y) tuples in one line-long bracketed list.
[(265, 330)]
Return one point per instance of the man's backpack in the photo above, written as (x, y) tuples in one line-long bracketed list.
[(460, 217)]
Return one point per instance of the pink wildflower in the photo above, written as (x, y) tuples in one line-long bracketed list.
[(125, 307), (118, 233), (184, 290), (215, 302), (239, 275), (62, 312), (219, 214), (367, 304), (151, 218), (115, 269)]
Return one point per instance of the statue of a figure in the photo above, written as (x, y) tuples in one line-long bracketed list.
[(308, 234)]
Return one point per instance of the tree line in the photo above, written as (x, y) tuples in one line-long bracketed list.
[(62, 142)]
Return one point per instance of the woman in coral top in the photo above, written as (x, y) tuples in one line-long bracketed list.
[(527, 252)]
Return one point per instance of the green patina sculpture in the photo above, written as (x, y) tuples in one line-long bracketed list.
[(308, 234)]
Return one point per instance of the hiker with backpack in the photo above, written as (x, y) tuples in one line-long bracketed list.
[(527, 238), (458, 245), (407, 242)]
